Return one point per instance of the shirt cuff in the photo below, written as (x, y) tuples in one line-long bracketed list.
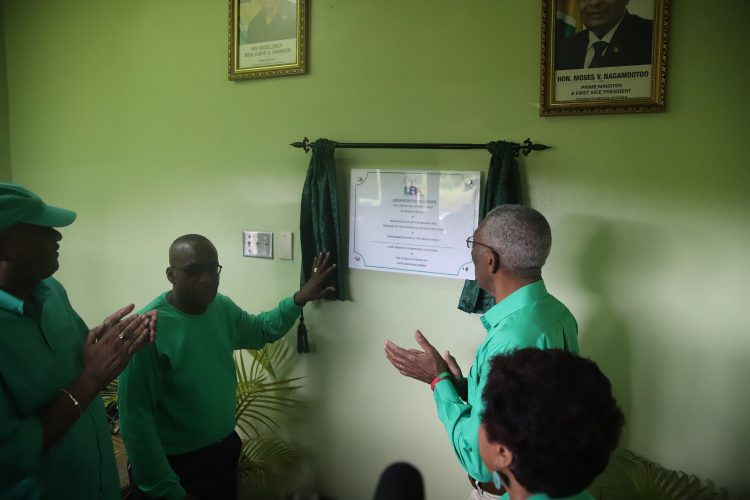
[(177, 493), (445, 391), (289, 304)]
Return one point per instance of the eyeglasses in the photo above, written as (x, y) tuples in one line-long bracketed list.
[(470, 244), (196, 271)]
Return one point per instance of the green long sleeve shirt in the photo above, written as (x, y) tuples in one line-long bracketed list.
[(529, 317), (178, 394), (41, 352)]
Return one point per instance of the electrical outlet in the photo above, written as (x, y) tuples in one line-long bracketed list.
[(286, 246), (257, 244)]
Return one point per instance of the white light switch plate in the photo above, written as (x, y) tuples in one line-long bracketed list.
[(286, 246), (257, 244)]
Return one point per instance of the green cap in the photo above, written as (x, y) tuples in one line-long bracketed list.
[(19, 205)]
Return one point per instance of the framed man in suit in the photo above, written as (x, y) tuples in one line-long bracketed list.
[(276, 20), (267, 38), (612, 37)]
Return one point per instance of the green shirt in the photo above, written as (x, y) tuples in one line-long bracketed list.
[(178, 394), (41, 352), (529, 317)]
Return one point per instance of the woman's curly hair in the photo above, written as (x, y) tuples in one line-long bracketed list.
[(555, 412)]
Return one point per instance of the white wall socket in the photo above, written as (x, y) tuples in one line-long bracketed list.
[(286, 246), (257, 244)]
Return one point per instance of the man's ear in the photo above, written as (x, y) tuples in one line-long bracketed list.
[(170, 274), (493, 260), (495, 263)]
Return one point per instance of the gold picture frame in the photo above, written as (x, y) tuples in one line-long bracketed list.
[(628, 75), (267, 38)]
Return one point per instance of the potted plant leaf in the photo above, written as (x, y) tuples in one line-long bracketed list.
[(630, 476), (265, 459)]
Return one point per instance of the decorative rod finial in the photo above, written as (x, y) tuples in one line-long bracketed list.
[(529, 146), (305, 144)]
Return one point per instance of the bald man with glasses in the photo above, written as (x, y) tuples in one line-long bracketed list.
[(508, 249), (177, 399)]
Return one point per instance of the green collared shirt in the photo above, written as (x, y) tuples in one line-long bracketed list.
[(10, 303), (179, 394), (529, 317), (41, 352)]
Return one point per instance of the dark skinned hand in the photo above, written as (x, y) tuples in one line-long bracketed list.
[(317, 287), (459, 382), (422, 365), (110, 345)]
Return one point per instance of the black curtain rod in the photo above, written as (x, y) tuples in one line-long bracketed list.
[(526, 147)]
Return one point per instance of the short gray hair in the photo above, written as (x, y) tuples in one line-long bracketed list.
[(521, 235)]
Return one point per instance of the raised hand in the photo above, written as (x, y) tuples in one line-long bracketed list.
[(422, 365), (110, 345), (453, 366), (106, 351), (152, 325), (317, 287), (459, 382)]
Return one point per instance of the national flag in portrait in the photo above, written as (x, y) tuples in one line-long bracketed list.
[(568, 20)]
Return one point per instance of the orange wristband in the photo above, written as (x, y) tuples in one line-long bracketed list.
[(437, 379)]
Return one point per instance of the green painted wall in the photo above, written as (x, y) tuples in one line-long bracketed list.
[(122, 110), (5, 170)]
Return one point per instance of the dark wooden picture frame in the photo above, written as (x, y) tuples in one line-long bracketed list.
[(267, 38), (628, 75)]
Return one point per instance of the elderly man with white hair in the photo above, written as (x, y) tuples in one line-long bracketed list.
[(508, 249)]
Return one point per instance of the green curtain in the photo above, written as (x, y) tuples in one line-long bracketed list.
[(320, 224), (503, 185)]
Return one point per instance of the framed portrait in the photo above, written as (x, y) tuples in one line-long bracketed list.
[(267, 38), (603, 56)]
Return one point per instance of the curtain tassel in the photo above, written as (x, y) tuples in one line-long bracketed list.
[(302, 344)]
